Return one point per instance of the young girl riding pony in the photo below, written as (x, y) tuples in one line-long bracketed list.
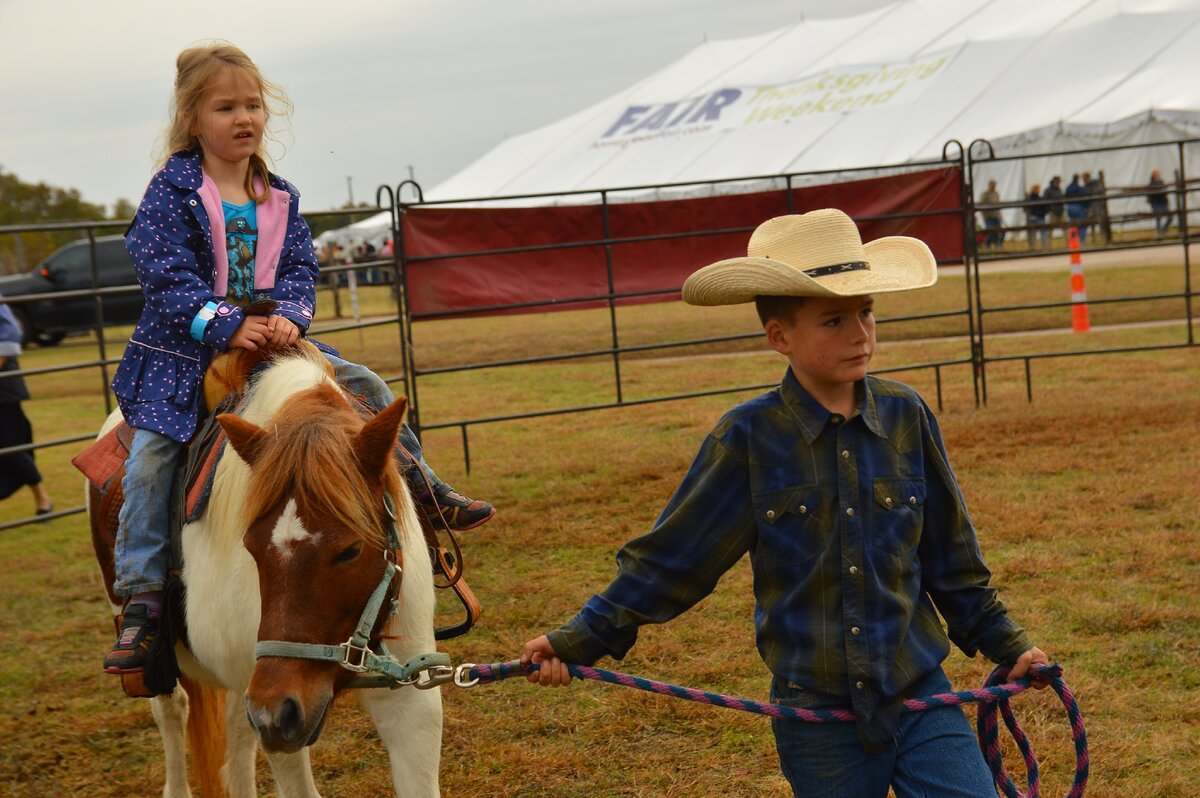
[(215, 233)]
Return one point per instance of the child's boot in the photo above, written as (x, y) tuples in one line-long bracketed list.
[(138, 627), (460, 512)]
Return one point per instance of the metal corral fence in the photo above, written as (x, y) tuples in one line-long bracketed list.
[(1129, 217), (603, 200), (104, 361), (977, 306), (1122, 223)]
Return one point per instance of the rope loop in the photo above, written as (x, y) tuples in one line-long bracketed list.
[(989, 735), (993, 696)]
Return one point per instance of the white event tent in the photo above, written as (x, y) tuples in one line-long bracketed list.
[(889, 86)]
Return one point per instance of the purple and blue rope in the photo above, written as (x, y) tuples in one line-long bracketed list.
[(995, 693)]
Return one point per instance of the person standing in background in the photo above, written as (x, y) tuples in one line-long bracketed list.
[(1035, 214), (1160, 205), (1077, 209), (1093, 190), (993, 218), (16, 470), (1054, 211)]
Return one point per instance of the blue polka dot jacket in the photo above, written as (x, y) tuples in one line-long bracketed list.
[(186, 320)]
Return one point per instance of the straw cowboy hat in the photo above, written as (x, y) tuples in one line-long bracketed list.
[(819, 253)]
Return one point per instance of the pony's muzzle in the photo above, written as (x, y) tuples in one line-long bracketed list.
[(286, 727)]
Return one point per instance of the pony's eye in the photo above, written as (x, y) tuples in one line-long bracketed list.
[(348, 554)]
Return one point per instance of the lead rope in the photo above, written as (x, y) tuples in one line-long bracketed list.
[(995, 693)]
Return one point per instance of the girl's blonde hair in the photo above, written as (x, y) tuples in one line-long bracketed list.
[(196, 70)]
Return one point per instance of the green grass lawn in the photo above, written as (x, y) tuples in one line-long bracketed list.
[(1084, 501)]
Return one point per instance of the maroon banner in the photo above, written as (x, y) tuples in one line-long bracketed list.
[(565, 265)]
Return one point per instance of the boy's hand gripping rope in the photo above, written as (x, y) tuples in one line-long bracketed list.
[(995, 693)]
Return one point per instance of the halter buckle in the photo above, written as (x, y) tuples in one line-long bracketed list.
[(351, 653)]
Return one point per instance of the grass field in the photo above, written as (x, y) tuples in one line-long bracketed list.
[(1084, 500)]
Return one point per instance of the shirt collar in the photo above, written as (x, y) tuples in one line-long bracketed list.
[(868, 408), (185, 169), (812, 416)]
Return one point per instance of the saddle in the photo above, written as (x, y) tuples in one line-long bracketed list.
[(103, 463)]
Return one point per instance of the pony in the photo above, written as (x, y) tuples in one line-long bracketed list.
[(289, 548)]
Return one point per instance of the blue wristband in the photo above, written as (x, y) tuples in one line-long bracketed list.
[(200, 323)]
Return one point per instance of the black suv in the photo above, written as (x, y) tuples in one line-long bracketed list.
[(46, 321)]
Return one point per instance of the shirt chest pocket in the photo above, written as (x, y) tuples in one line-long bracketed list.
[(789, 528), (899, 514)]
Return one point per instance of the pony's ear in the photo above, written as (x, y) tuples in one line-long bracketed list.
[(245, 437), (376, 441)]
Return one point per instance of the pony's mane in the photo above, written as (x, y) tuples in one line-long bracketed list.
[(287, 374), (309, 454)]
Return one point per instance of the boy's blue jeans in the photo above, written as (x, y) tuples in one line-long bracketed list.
[(935, 753), (142, 536)]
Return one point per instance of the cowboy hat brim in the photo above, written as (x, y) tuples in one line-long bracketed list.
[(895, 263)]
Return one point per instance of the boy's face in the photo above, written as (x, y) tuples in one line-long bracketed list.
[(829, 341)]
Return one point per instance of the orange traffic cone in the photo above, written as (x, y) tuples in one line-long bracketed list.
[(1079, 310)]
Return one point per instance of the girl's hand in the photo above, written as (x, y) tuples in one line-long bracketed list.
[(250, 334), (553, 671), (282, 331)]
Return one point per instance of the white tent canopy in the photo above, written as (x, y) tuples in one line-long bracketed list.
[(374, 230), (889, 86)]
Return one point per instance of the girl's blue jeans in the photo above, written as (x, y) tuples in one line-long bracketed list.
[(934, 754), (361, 380), (143, 532)]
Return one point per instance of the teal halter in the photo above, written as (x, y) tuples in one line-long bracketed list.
[(423, 671)]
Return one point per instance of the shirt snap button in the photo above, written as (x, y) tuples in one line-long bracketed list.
[(853, 569), (770, 514), (859, 685), (888, 501), (912, 499), (802, 509), (854, 630), (850, 511), (192, 203), (845, 454)]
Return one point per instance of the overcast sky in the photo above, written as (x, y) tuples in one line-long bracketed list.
[(377, 85)]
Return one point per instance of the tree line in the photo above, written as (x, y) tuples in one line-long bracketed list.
[(24, 203)]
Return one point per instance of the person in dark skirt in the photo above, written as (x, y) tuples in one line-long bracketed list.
[(16, 470)]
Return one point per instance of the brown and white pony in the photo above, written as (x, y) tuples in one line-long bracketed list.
[(290, 548)]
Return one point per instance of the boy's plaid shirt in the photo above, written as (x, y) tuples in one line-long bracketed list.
[(856, 530)]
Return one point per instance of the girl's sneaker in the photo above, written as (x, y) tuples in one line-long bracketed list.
[(460, 512), (128, 654)]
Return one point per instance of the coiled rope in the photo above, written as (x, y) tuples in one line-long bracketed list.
[(995, 693)]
